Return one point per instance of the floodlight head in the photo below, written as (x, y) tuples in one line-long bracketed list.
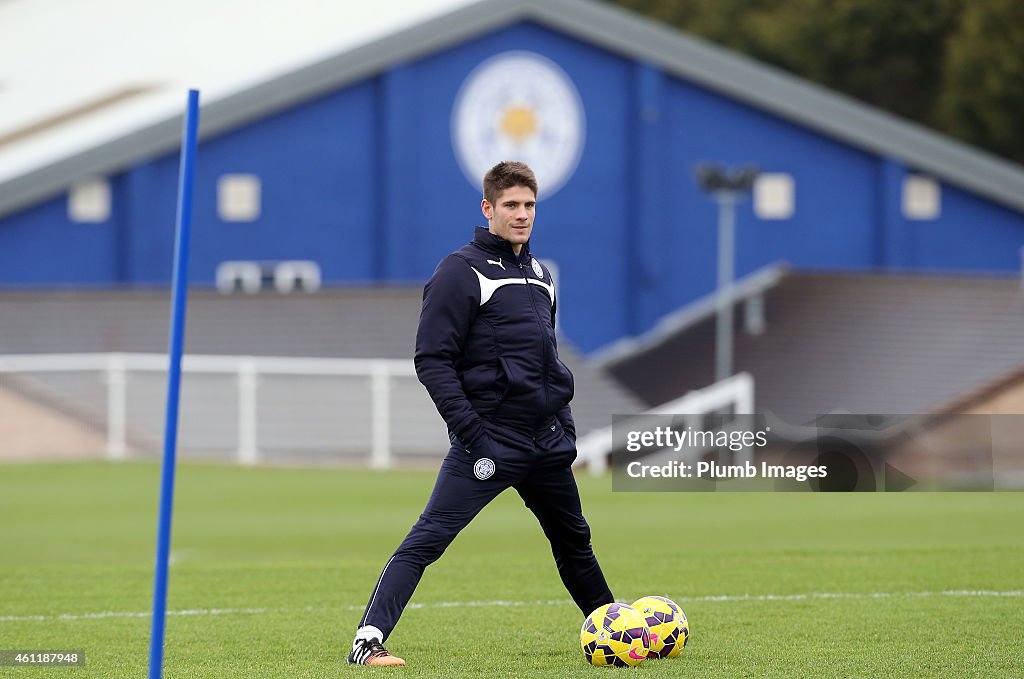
[(716, 179), (743, 179), (710, 178)]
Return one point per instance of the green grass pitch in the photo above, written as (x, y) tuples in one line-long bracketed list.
[(271, 568)]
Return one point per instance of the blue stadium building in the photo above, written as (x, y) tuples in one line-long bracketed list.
[(364, 168)]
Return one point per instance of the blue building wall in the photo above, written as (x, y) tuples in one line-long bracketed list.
[(40, 247), (365, 182)]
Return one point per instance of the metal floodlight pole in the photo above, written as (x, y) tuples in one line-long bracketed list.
[(726, 263), (727, 189)]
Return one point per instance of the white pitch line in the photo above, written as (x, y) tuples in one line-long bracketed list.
[(855, 595), (500, 604)]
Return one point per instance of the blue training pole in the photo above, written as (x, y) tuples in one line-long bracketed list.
[(179, 296)]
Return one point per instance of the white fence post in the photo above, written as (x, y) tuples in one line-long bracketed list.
[(117, 407), (744, 409), (380, 387), (248, 453)]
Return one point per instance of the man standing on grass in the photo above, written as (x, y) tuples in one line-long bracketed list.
[(486, 352)]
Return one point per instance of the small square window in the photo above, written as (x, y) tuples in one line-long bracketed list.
[(922, 197), (89, 201), (238, 197), (774, 195)]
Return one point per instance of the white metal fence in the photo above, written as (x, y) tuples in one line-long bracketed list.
[(248, 408), (252, 409)]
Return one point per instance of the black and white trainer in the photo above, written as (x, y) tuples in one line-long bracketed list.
[(372, 652)]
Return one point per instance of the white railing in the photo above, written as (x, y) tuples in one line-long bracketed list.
[(254, 409), (734, 393), (293, 405)]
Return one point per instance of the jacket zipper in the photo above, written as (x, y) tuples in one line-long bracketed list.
[(540, 327)]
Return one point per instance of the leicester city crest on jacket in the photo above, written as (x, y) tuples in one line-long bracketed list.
[(537, 269)]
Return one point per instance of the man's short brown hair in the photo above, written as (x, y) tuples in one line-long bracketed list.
[(505, 175)]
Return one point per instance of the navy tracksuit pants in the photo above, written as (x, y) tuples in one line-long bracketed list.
[(538, 467)]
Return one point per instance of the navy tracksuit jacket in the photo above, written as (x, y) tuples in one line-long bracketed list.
[(487, 354)]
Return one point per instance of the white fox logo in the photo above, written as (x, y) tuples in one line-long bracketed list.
[(497, 263)]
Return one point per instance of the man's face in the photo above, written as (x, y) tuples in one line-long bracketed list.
[(511, 216)]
